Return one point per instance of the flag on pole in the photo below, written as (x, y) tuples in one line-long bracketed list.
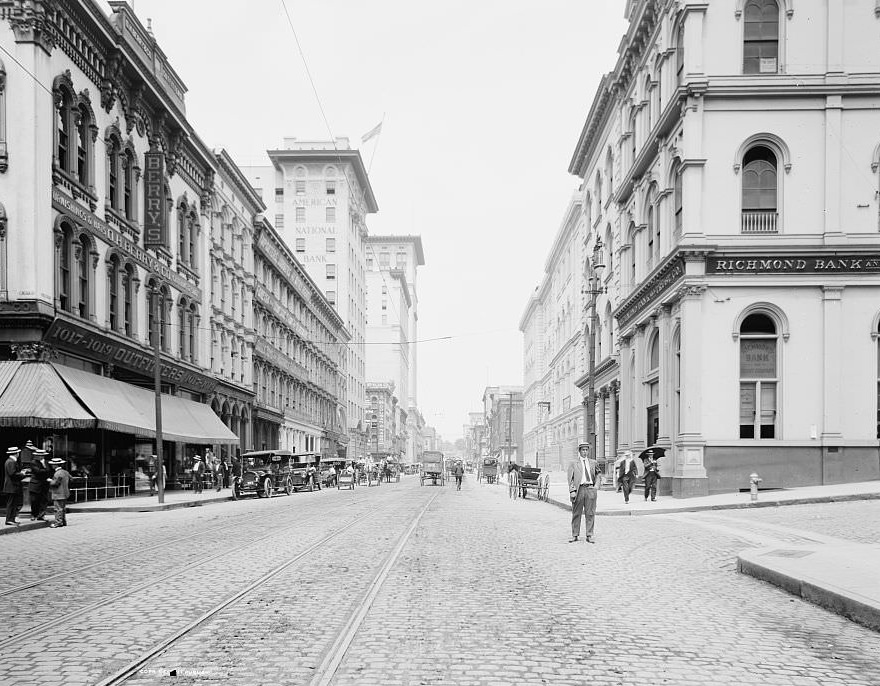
[(372, 133)]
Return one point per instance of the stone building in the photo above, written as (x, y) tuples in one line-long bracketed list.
[(503, 416), (320, 196), (299, 355), (106, 201), (729, 166)]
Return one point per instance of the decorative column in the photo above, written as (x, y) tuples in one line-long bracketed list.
[(689, 471), (601, 453), (832, 339), (613, 418), (639, 428), (665, 377), (625, 395)]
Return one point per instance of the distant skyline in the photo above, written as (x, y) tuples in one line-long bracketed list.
[(483, 103)]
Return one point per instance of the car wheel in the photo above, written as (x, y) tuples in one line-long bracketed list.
[(236, 494), (267, 487), (288, 486)]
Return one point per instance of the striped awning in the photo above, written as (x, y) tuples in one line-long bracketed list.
[(35, 396)]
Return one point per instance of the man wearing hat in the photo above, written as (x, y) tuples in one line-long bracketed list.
[(12, 476), (38, 488), (627, 473), (583, 484), (198, 470), (59, 489)]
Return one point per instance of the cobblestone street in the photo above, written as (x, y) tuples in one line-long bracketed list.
[(485, 590)]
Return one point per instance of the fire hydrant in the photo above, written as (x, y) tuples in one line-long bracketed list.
[(754, 480)]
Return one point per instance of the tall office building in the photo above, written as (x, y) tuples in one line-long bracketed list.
[(320, 195)]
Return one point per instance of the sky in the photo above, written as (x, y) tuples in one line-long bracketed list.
[(482, 103)]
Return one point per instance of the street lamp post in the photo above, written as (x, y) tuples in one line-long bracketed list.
[(592, 271)]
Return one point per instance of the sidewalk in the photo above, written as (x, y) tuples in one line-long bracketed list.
[(142, 502), (835, 574)]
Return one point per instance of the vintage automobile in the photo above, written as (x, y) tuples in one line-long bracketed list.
[(299, 471), (338, 463), (264, 473)]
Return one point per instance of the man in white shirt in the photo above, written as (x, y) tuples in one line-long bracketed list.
[(583, 484)]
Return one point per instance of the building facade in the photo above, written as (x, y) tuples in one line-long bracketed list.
[(553, 350), (320, 197), (386, 423), (299, 355), (503, 417), (729, 165), (105, 208)]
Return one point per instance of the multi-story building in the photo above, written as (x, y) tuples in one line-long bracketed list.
[(553, 350), (386, 422), (476, 437), (299, 355), (503, 417), (320, 196), (392, 323), (106, 202), (730, 168), (235, 208)]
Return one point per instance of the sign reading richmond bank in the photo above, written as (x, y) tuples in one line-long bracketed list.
[(795, 264)]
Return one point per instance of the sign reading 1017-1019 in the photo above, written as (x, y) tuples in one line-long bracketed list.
[(155, 214)]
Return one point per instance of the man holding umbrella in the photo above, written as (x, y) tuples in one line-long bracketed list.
[(652, 471)]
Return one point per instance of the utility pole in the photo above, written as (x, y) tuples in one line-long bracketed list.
[(157, 386), (592, 269), (509, 423)]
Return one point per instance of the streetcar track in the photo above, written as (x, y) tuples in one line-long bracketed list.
[(50, 624), (334, 656), (139, 551), (122, 675)]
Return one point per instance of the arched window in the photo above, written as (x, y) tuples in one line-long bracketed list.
[(114, 148), (128, 287), (598, 195), (649, 107), (83, 144), (758, 374), (64, 120), (129, 172), (631, 239), (759, 190), (679, 55), (677, 216), (182, 337), (113, 292), (182, 233), (192, 320), (632, 140), (164, 317), (761, 37), (65, 266), (609, 250), (83, 252), (192, 229), (652, 382), (152, 296), (652, 232)]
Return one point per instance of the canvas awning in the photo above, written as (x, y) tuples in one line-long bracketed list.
[(114, 405), (35, 396), (119, 406)]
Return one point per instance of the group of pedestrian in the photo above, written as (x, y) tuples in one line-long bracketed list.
[(584, 480), (209, 466), (47, 479)]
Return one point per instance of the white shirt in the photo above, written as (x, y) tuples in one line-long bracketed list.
[(585, 479)]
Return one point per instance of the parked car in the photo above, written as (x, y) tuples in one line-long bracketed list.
[(264, 473)]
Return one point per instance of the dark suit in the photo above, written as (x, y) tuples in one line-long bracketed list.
[(583, 496), (652, 473), (627, 473), (38, 488), (12, 477)]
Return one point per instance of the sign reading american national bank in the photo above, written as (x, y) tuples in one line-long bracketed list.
[(66, 204), (824, 263)]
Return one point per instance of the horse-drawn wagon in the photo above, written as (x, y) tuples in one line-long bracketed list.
[(432, 468)]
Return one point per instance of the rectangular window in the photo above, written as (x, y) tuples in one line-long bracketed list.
[(384, 259), (369, 264), (300, 244), (300, 187), (761, 41), (401, 260), (331, 188), (331, 271), (330, 214), (300, 215), (279, 194), (279, 221), (384, 304), (331, 245), (331, 297)]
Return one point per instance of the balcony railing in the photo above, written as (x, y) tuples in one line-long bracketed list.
[(759, 221)]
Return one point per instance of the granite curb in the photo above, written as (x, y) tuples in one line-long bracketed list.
[(25, 526), (833, 586), (152, 507), (811, 500)]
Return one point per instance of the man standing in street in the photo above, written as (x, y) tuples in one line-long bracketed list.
[(12, 476), (59, 488), (627, 472), (459, 475), (38, 488), (583, 484)]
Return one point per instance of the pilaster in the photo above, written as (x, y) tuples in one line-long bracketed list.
[(832, 339)]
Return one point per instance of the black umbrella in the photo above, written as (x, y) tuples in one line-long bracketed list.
[(654, 451)]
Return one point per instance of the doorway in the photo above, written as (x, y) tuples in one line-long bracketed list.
[(653, 424)]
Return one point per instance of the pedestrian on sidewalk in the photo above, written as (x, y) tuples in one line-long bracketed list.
[(59, 489), (198, 471), (652, 474), (583, 484), (627, 473), (38, 488), (217, 473), (12, 478), (459, 475), (224, 471)]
